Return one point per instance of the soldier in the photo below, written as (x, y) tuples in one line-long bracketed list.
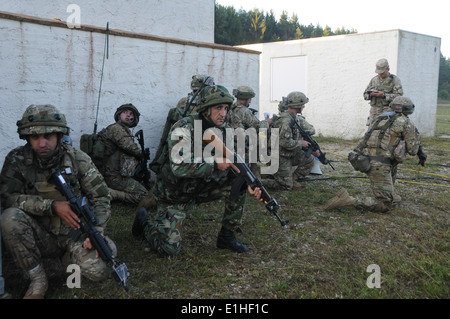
[(183, 184), (382, 90), (198, 81), (386, 143), (38, 218), (241, 116), (306, 164), (292, 146), (122, 155)]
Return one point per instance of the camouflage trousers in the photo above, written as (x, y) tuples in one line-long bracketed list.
[(29, 242), (284, 178), (305, 166), (130, 190), (164, 234), (382, 186)]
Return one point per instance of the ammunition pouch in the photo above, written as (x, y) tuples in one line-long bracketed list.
[(359, 162)]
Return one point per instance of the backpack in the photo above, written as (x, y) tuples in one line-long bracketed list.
[(93, 146)]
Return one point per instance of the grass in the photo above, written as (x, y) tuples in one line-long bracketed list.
[(322, 255)]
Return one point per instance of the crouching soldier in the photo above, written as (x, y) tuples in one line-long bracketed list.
[(383, 147), (36, 217), (181, 185)]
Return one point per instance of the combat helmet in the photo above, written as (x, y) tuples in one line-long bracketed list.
[(402, 104), (41, 119), (244, 93), (131, 107), (200, 79), (282, 105), (295, 100), (213, 95)]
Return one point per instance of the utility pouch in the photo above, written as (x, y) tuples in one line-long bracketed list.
[(359, 162)]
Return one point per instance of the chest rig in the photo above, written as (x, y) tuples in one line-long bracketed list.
[(36, 183), (379, 135)]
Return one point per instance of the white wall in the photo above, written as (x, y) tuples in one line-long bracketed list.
[(173, 18), (43, 63), (340, 67)]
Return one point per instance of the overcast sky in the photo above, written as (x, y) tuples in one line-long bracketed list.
[(430, 17)]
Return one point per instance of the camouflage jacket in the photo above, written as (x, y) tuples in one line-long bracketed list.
[(23, 184), (390, 85), (241, 116), (392, 135), (305, 125), (290, 138), (182, 179), (119, 149)]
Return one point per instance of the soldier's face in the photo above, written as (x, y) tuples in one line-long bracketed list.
[(218, 114), (127, 116), (385, 74), (44, 144)]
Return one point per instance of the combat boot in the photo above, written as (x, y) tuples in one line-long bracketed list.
[(39, 284), (140, 221), (227, 240), (340, 200)]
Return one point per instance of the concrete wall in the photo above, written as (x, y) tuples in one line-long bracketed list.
[(43, 61), (340, 67), (174, 19)]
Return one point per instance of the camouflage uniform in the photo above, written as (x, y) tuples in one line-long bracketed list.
[(391, 86), (241, 116), (292, 155), (181, 186), (30, 228), (121, 159), (386, 143), (306, 163)]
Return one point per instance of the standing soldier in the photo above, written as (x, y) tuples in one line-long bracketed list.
[(182, 185), (292, 146), (382, 90), (122, 155), (385, 144), (38, 218)]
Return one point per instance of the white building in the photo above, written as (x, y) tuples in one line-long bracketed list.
[(52, 52), (334, 72)]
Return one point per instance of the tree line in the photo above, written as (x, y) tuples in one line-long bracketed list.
[(444, 78), (239, 27)]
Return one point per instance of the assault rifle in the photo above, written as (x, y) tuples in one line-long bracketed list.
[(313, 146), (246, 176), (88, 221), (142, 173)]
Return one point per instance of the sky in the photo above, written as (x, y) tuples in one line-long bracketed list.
[(429, 17)]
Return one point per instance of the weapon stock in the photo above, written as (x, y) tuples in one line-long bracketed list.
[(247, 176), (88, 220)]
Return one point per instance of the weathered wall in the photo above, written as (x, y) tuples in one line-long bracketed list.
[(174, 19), (44, 61), (340, 67)]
